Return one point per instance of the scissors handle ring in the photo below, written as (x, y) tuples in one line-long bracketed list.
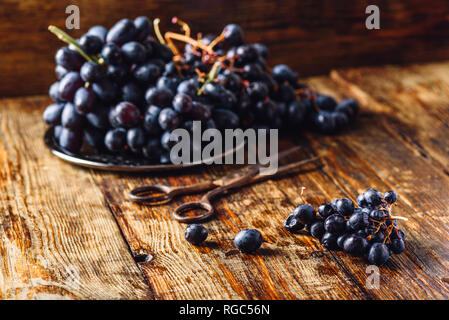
[(204, 205), (146, 194)]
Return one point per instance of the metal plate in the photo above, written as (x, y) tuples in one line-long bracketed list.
[(113, 162)]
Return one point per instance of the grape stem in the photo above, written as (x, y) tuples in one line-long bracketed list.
[(210, 77), (69, 40), (398, 218)]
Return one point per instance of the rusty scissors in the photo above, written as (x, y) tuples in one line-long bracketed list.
[(160, 194)]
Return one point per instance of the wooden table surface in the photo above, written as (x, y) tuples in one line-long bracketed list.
[(68, 232)]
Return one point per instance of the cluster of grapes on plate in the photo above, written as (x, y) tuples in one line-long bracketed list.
[(369, 230), (124, 90)]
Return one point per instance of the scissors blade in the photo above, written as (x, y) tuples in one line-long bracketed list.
[(251, 170)]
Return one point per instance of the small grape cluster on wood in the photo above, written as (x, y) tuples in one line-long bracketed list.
[(369, 230)]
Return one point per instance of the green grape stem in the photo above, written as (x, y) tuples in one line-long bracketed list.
[(69, 40), (210, 77)]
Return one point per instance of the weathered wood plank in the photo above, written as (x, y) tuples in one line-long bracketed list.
[(291, 266), (312, 36), (58, 240), (288, 266), (416, 97)]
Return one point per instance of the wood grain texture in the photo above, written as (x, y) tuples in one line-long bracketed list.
[(58, 240), (312, 36), (398, 143)]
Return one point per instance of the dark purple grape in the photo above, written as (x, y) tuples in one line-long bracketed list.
[(248, 240), (135, 138), (151, 120), (115, 139), (112, 54), (90, 43), (233, 35), (341, 240), (317, 229), (282, 73), (225, 119), (112, 117), (341, 120), (60, 71), (378, 215), (152, 149), (106, 90), (391, 196), (257, 91), (350, 107), (69, 59), (98, 118), (167, 83), (329, 241), (166, 142), (143, 28), (355, 245), (261, 49), (52, 114), (168, 119), (324, 122), (159, 97), (147, 73), (335, 224), (123, 31), (68, 86), (196, 234), (293, 224), (265, 111), (246, 53), (344, 206), (182, 103), (53, 92), (131, 92), (268, 80), (200, 111), (98, 31), (325, 210), (188, 87), (70, 118), (71, 140), (134, 52), (377, 237), (378, 254), (325, 102), (127, 114), (296, 113), (285, 93), (305, 213), (252, 72), (162, 52), (359, 220), (57, 132), (227, 100), (361, 201), (397, 246), (92, 72), (373, 197), (84, 100), (118, 73), (230, 80), (94, 137)]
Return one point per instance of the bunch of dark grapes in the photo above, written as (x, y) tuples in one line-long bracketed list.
[(369, 230), (124, 90)]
